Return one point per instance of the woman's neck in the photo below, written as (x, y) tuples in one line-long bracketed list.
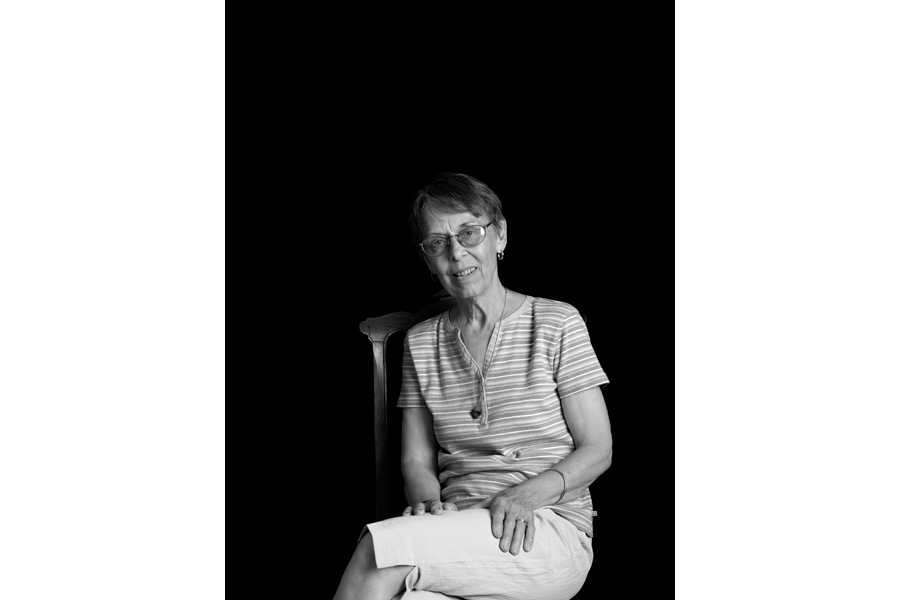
[(481, 312)]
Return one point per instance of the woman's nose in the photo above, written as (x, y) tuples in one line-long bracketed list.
[(457, 250)]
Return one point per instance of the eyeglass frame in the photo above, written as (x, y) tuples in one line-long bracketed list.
[(447, 238)]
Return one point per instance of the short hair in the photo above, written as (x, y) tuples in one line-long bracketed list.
[(453, 193)]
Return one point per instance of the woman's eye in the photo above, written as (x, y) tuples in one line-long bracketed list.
[(468, 233)]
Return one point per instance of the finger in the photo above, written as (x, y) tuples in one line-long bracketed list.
[(420, 508), (407, 511), (529, 537), (436, 507), (497, 517), (509, 527), (450, 506), (518, 536)]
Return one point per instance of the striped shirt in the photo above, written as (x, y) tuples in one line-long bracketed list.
[(536, 356)]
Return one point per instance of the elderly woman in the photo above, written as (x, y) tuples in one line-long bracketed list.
[(504, 427)]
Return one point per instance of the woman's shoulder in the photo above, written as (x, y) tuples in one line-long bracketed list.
[(548, 309), (520, 301)]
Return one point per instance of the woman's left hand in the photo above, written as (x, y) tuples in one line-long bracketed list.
[(512, 520)]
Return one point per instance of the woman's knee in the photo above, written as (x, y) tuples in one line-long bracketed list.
[(364, 556), (364, 572)]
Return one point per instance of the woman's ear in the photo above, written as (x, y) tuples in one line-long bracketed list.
[(502, 234)]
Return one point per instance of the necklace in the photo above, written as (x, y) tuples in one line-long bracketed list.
[(477, 412), (503, 310)]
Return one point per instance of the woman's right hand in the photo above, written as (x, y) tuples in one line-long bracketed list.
[(435, 507)]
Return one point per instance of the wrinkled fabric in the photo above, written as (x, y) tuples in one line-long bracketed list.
[(456, 554), (502, 422)]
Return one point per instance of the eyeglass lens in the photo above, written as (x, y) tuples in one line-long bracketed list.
[(470, 236)]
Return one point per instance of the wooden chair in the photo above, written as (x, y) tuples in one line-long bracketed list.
[(389, 499), (379, 330)]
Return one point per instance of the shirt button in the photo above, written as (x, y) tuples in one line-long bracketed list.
[(475, 413), (516, 454)]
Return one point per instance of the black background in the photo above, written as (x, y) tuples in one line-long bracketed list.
[(573, 236)]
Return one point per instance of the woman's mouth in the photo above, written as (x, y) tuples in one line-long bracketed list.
[(465, 274)]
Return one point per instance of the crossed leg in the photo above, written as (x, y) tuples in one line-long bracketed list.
[(362, 579)]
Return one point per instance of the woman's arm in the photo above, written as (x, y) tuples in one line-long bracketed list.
[(588, 421), (418, 463)]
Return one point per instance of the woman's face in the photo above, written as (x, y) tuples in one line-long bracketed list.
[(465, 272)]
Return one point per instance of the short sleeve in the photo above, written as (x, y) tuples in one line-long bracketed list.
[(410, 390), (576, 366)]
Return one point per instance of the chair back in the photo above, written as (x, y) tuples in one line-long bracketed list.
[(378, 330)]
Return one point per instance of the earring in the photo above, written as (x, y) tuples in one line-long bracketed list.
[(433, 276), (500, 255)]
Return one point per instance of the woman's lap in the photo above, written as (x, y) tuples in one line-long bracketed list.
[(456, 554)]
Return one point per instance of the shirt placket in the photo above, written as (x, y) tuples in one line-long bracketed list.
[(481, 409)]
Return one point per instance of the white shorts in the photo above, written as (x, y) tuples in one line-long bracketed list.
[(456, 554)]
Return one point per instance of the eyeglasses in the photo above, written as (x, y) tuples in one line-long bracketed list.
[(472, 235)]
